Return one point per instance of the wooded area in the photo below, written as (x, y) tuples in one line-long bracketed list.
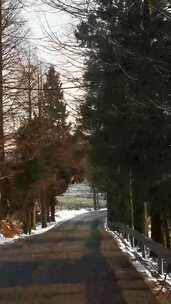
[(126, 115), (39, 155), (122, 140)]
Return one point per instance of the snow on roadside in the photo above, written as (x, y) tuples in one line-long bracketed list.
[(4, 240), (155, 283), (61, 216)]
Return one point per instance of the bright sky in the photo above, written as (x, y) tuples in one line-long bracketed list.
[(45, 22), (42, 20)]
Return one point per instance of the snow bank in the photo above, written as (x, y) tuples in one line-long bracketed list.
[(61, 217)]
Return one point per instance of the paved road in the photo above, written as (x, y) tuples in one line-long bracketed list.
[(75, 263)]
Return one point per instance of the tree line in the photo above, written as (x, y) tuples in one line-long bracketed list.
[(125, 116), (40, 154)]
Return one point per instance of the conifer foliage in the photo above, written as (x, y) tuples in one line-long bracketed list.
[(126, 112), (37, 147), (44, 159), (54, 106)]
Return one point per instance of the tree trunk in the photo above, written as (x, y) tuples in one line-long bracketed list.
[(29, 88), (110, 209), (140, 217), (33, 217), (48, 214), (94, 198), (166, 232), (27, 222), (2, 150), (156, 227), (43, 208), (40, 88), (53, 213), (131, 202), (25, 228), (146, 228)]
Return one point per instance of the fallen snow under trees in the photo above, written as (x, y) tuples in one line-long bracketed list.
[(61, 216)]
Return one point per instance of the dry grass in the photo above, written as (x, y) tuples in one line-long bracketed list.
[(9, 229)]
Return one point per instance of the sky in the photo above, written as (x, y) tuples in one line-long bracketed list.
[(46, 23), (41, 21)]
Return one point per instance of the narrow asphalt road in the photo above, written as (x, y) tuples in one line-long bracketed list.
[(75, 263)]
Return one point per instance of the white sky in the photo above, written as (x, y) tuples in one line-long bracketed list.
[(43, 20)]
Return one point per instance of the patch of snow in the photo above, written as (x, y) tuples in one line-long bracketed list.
[(61, 216), (68, 214), (4, 240)]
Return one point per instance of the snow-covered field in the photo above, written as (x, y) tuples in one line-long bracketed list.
[(61, 216)]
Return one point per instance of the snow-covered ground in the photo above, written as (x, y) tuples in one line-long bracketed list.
[(61, 216)]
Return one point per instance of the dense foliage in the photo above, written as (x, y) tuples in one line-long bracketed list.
[(44, 158), (126, 114)]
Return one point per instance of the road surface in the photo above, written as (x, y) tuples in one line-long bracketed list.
[(75, 263)]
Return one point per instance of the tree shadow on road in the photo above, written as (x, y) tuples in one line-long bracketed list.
[(101, 285), (88, 269)]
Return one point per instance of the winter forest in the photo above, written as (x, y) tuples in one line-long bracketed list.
[(119, 137)]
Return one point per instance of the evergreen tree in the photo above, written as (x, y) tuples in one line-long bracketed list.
[(54, 106), (126, 114), (43, 169)]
